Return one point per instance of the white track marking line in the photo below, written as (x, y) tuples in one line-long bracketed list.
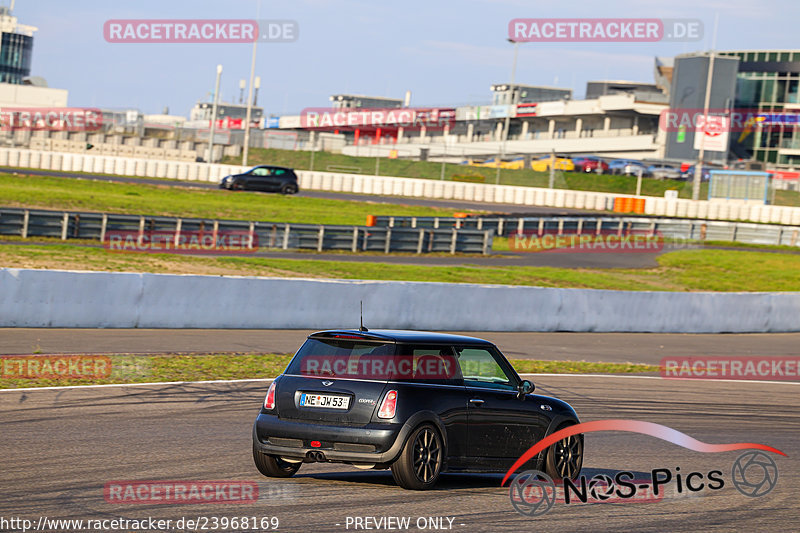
[(266, 380)]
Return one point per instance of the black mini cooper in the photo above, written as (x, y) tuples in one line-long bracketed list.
[(416, 402)]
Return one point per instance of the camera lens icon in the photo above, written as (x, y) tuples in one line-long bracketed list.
[(754, 474), (532, 493)]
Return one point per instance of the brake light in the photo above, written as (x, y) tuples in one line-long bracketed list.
[(388, 405), (269, 401)]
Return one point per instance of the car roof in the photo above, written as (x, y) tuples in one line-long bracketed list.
[(273, 166), (403, 336)]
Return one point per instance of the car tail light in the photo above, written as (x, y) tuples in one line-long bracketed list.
[(315, 444), (269, 401), (388, 405)]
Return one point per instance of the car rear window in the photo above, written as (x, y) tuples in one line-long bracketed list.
[(358, 359)]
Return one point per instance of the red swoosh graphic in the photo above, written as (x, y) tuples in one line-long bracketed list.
[(634, 426)]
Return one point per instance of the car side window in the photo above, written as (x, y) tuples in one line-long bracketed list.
[(261, 172), (434, 364), (480, 369), (278, 172)]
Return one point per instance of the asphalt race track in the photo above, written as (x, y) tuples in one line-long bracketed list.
[(647, 348), (60, 447)]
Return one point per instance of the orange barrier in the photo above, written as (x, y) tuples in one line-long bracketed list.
[(460, 215), (638, 205), (370, 220), (622, 204)]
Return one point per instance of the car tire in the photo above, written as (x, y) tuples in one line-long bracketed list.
[(272, 466), (421, 460), (289, 189), (565, 457)]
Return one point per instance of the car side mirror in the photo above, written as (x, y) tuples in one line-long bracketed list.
[(524, 387)]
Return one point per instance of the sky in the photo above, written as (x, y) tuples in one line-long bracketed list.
[(446, 52)]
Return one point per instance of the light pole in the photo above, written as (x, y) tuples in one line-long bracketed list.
[(250, 100), (214, 115), (507, 124), (698, 168)]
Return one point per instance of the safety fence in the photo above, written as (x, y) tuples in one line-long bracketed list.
[(695, 230), (132, 232)]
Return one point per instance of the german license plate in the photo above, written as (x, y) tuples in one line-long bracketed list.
[(330, 401)]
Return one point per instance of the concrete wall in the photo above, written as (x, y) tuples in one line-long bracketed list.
[(394, 186), (43, 298)]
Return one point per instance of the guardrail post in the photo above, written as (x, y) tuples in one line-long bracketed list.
[(25, 219), (141, 231), (103, 226), (541, 226), (421, 241), (249, 237), (286, 237), (703, 230), (413, 222), (388, 243), (458, 223), (521, 226), (391, 222), (599, 229), (780, 235), (691, 230), (486, 237), (734, 227), (77, 231), (64, 226), (320, 238), (793, 242), (500, 222), (480, 222), (177, 238), (215, 231), (561, 226), (436, 222), (619, 228), (652, 228), (354, 244), (453, 241), (273, 236), (580, 225)]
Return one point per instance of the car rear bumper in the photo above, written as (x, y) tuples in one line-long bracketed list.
[(373, 443)]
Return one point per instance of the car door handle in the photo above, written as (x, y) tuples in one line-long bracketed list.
[(477, 402)]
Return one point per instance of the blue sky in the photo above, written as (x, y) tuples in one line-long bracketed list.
[(445, 52)]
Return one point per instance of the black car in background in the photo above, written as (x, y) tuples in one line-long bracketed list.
[(266, 178), (418, 403)]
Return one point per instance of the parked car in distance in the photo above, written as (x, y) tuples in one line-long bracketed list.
[(688, 174), (590, 163), (542, 164), (617, 166), (268, 178), (415, 402), (663, 171)]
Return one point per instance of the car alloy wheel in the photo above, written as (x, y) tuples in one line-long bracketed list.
[(420, 462), (565, 457), (427, 455)]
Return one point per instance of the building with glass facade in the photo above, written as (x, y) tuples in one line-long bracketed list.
[(16, 48), (768, 81)]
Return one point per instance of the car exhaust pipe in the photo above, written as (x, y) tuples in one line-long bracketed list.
[(315, 457)]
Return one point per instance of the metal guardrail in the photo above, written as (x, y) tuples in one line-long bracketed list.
[(695, 230), (66, 225)]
